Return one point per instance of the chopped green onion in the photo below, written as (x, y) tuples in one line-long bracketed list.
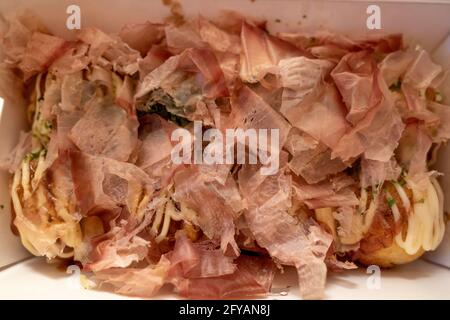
[(396, 86), (391, 202)]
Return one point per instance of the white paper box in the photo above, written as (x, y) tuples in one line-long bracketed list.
[(422, 22)]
